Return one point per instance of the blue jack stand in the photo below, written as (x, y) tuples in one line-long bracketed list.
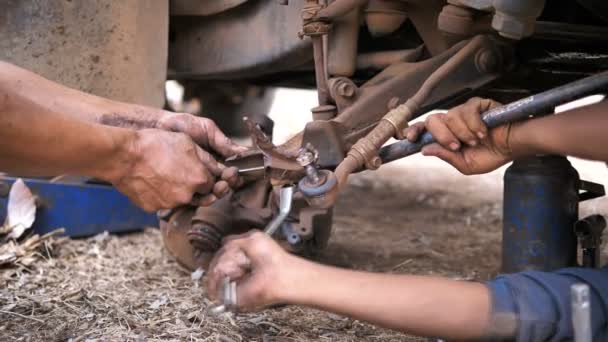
[(82, 209)]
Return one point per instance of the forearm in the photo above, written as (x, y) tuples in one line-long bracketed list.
[(76, 104), (40, 142), (580, 133), (419, 305)]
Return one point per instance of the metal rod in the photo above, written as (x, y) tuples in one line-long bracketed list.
[(535, 105), (320, 73)]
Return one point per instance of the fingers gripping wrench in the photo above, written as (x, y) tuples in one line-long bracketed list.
[(228, 289)]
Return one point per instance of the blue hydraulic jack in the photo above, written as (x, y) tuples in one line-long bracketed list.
[(540, 216), (81, 208)]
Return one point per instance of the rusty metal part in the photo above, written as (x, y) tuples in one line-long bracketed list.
[(325, 112), (210, 224), (463, 21), (202, 8), (326, 136), (255, 39), (316, 29), (338, 8), (98, 47), (343, 91), (174, 230), (365, 151), (383, 17), (402, 81), (343, 41), (192, 234), (382, 59)]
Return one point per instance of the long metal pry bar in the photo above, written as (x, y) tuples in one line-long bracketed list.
[(228, 295)]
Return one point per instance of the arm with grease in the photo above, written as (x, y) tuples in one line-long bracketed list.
[(86, 107)]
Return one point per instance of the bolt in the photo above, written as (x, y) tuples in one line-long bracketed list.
[(306, 158), (487, 61), (346, 89)]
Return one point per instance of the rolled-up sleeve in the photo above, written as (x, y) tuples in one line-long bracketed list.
[(538, 306)]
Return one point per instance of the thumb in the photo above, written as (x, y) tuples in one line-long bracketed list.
[(453, 158)]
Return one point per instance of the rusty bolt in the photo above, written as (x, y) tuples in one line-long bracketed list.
[(487, 61), (374, 163), (392, 103), (346, 89)]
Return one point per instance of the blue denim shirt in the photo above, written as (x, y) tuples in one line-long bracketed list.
[(541, 304)]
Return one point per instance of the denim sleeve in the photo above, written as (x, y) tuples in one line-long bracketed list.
[(538, 303)]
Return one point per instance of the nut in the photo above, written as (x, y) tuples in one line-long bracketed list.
[(346, 89)]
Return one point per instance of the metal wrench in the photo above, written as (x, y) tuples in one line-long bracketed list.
[(228, 295)]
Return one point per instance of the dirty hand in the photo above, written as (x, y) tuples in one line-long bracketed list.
[(203, 131), (259, 266), (463, 140), (162, 170)]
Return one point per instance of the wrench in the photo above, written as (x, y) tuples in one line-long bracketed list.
[(228, 295)]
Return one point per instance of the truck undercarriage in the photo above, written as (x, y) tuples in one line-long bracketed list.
[(376, 65)]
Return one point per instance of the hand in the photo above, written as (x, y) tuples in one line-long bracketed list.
[(463, 140), (202, 130), (259, 266), (167, 169)]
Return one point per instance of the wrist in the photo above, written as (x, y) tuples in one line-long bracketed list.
[(122, 154), (298, 281)]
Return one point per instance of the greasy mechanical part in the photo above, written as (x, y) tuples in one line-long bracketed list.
[(251, 40), (365, 151), (324, 112), (343, 91), (343, 39), (382, 59), (383, 17), (326, 136), (208, 7), (174, 230), (192, 235), (535, 105), (581, 313), (589, 233), (210, 224), (512, 19), (318, 185), (402, 81), (463, 21), (98, 47), (316, 29)]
